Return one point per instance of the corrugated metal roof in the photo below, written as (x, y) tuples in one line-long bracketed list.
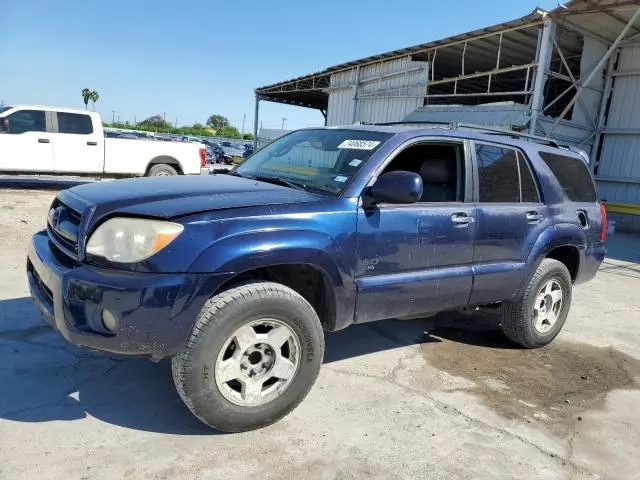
[(527, 19), (511, 115)]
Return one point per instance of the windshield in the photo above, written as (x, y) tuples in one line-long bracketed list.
[(4, 108), (320, 160)]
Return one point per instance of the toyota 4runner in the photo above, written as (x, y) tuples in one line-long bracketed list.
[(234, 276)]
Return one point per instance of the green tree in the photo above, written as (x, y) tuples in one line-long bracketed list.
[(86, 96), (218, 122), (157, 122), (94, 98)]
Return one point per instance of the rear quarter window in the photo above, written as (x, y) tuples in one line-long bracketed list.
[(573, 175)]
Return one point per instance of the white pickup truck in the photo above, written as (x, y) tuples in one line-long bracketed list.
[(51, 140)]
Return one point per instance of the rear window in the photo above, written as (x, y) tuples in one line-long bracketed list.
[(74, 123), (573, 175)]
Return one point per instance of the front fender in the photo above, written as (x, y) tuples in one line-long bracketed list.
[(247, 251)]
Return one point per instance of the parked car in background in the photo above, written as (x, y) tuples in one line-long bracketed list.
[(247, 151), (234, 277), (53, 140)]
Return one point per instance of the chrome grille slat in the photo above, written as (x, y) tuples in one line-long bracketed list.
[(64, 239)]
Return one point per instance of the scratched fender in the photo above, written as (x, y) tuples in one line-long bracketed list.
[(557, 235), (250, 250)]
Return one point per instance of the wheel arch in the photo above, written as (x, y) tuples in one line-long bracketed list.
[(164, 159)]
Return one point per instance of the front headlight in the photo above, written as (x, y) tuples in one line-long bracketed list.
[(129, 240)]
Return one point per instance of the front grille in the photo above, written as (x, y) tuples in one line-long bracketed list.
[(63, 225), (46, 291)]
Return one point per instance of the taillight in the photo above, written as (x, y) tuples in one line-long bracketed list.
[(603, 213), (203, 157)]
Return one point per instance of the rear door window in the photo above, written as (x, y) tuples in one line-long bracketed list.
[(74, 123), (573, 175), (497, 174), (527, 182)]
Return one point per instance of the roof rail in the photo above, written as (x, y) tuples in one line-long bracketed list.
[(482, 128)]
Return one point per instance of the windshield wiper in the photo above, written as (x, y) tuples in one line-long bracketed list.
[(277, 181)]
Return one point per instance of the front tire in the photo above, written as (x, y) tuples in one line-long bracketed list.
[(536, 318), (253, 355)]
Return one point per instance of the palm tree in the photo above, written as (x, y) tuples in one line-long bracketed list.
[(86, 96), (94, 98)]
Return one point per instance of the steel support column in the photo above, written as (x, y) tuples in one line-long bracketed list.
[(543, 59), (255, 124), (598, 67)]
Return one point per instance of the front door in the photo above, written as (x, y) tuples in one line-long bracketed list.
[(77, 146), (27, 146), (417, 258), (511, 217)]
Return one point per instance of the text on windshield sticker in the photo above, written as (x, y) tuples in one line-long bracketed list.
[(359, 144)]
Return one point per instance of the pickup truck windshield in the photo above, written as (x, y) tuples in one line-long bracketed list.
[(319, 160), (4, 108)]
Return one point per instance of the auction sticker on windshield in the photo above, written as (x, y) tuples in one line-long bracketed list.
[(359, 144)]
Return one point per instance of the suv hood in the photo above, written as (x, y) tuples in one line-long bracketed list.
[(168, 197)]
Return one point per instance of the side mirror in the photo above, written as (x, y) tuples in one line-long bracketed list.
[(397, 187), (4, 125)]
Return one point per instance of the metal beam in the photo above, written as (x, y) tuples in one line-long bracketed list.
[(573, 79), (255, 124), (625, 73), (566, 78), (598, 66), (453, 79), (543, 58), (604, 99), (355, 94)]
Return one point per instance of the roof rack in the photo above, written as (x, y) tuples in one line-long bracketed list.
[(482, 128)]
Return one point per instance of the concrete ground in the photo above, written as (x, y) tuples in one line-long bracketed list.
[(446, 397)]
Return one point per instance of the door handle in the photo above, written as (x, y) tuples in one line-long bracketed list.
[(461, 218), (533, 217), (43, 140), (92, 144)]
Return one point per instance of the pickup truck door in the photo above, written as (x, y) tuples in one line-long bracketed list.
[(78, 145), (27, 146), (510, 216), (416, 258)]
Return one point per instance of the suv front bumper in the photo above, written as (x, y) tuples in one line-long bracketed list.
[(154, 313)]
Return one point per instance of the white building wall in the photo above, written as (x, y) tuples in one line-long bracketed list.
[(375, 103)]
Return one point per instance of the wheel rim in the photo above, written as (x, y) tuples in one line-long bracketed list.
[(163, 174), (257, 363), (548, 305)]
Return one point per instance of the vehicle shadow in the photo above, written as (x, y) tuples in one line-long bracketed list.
[(41, 182), (45, 379)]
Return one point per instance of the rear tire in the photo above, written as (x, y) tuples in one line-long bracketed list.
[(536, 318), (253, 355), (162, 170)]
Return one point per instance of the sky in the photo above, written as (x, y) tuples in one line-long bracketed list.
[(189, 59)]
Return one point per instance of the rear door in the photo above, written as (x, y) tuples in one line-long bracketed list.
[(510, 218), (27, 145), (78, 146)]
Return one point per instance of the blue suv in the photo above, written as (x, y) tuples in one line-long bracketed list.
[(235, 276)]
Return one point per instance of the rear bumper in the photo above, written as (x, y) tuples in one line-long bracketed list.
[(590, 259), (154, 313)]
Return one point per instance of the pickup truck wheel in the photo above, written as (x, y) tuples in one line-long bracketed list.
[(162, 170), (253, 355), (538, 316)]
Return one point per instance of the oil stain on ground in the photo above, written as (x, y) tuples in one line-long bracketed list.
[(552, 385)]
